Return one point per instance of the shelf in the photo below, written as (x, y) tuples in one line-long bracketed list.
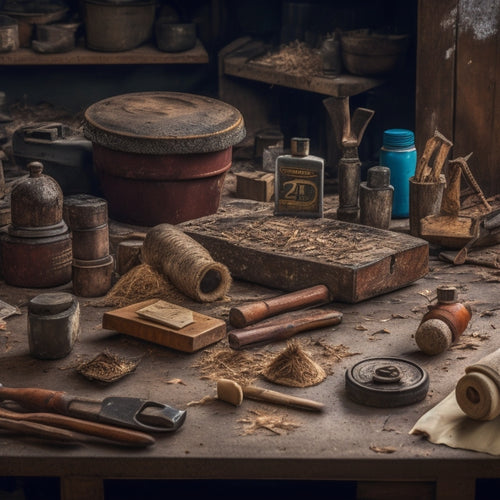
[(240, 63), (145, 54)]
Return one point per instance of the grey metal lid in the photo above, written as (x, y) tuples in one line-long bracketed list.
[(50, 303), (386, 382), (163, 123)]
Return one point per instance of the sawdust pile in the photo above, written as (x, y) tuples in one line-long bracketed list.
[(295, 58), (294, 368), (246, 366), (142, 282), (241, 366), (107, 367)]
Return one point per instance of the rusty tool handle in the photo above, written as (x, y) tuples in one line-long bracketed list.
[(104, 431), (249, 314), (284, 328)]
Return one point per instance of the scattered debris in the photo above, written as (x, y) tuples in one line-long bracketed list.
[(272, 422), (383, 449), (295, 58)]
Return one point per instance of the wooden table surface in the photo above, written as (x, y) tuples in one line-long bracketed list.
[(346, 442)]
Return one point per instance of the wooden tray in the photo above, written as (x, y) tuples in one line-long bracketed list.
[(204, 331), (356, 262)]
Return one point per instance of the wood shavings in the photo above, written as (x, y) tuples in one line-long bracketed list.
[(295, 58), (293, 367), (107, 367), (140, 283), (241, 366), (301, 236), (274, 423), (202, 401), (176, 381), (383, 449)]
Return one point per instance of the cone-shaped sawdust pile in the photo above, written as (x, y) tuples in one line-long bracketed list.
[(294, 368)]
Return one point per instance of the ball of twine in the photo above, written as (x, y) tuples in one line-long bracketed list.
[(186, 263)]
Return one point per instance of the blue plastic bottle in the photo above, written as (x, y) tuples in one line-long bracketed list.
[(398, 153)]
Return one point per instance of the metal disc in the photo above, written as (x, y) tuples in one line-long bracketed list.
[(386, 382)]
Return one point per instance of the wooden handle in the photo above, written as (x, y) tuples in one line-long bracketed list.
[(39, 430), (104, 431), (36, 399), (269, 396), (248, 314), (283, 328)]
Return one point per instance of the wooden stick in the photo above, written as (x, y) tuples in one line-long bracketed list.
[(284, 327), (248, 314)]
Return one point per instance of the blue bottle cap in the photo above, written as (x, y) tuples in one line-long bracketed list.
[(399, 138)]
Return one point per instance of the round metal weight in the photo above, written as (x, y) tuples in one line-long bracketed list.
[(386, 382)]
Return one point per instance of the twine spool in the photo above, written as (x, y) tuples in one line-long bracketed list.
[(478, 391), (186, 263)]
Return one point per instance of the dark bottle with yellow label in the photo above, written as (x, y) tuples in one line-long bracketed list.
[(299, 182)]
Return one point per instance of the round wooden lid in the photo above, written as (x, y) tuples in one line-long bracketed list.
[(163, 123)]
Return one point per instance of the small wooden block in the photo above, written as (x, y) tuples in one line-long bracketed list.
[(167, 314), (257, 186), (204, 331)]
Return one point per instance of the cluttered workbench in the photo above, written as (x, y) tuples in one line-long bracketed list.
[(355, 450), (145, 373)]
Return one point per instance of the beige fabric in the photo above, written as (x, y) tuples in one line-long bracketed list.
[(447, 424)]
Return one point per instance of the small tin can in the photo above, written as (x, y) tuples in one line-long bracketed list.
[(53, 324)]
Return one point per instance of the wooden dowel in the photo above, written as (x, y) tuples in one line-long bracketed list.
[(251, 313)]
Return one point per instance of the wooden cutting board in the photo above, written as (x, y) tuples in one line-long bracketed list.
[(289, 253), (204, 330)]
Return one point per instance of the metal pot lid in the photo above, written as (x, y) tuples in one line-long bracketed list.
[(386, 382), (163, 123)]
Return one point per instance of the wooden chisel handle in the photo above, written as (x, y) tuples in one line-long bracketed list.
[(104, 431), (248, 314), (284, 328), (259, 394)]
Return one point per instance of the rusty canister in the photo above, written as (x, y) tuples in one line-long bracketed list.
[(87, 218), (92, 278), (36, 249), (161, 157), (53, 325)]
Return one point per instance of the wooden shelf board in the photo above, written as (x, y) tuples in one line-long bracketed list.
[(145, 54), (240, 61)]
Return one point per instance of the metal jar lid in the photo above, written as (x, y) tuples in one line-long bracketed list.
[(50, 303), (163, 123), (386, 382)]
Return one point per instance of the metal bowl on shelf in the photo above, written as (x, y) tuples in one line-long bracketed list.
[(174, 37)]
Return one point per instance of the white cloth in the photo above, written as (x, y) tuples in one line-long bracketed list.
[(447, 424)]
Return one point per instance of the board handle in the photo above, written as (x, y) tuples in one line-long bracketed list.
[(251, 313)]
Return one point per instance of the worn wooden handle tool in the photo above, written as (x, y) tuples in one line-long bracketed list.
[(284, 328), (251, 313), (108, 432)]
